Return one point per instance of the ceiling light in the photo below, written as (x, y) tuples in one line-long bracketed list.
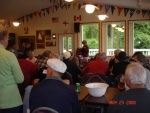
[(68, 0), (102, 17), (113, 25), (89, 8), (16, 23)]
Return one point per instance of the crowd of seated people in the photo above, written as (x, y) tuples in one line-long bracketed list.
[(44, 68)]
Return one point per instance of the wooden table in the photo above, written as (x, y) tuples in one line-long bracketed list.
[(101, 102), (104, 100), (83, 93)]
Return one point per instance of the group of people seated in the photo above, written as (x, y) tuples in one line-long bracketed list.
[(41, 84)]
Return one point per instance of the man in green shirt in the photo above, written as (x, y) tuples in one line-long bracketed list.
[(10, 75)]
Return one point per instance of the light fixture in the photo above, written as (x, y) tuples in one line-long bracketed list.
[(102, 17), (15, 23), (89, 8), (54, 36), (113, 25), (68, 0)]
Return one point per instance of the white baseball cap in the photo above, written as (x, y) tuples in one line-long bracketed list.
[(57, 65), (66, 55)]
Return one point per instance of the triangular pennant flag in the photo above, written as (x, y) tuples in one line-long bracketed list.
[(100, 7), (66, 6), (47, 10), (138, 11), (74, 5), (56, 7), (107, 8), (79, 6), (52, 8), (31, 15), (132, 12), (34, 13), (22, 19), (119, 10), (43, 11), (143, 12), (112, 9), (148, 12), (126, 10), (39, 13), (69, 4), (62, 4), (27, 18)]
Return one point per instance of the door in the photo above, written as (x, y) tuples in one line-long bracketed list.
[(66, 43)]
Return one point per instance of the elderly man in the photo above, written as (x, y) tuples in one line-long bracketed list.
[(98, 66), (10, 75), (136, 99), (53, 92)]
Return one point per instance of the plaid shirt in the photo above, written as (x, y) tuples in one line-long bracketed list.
[(41, 62)]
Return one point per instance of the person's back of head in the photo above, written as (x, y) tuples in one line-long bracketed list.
[(3, 35), (101, 55), (142, 59), (84, 42), (122, 56), (47, 53), (136, 74)]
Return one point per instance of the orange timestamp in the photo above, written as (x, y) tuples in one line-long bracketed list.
[(122, 102)]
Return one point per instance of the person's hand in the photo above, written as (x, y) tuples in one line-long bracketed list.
[(66, 81)]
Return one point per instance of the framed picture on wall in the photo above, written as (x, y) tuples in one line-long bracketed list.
[(25, 39), (40, 46), (51, 43), (40, 36)]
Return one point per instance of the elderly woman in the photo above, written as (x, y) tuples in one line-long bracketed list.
[(10, 75)]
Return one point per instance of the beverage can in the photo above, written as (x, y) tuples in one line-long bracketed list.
[(77, 87)]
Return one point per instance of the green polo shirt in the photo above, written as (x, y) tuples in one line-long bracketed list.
[(10, 75)]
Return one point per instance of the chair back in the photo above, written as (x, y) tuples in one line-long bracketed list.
[(44, 110), (95, 78), (67, 76), (85, 78)]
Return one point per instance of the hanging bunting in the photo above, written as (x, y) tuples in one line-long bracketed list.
[(58, 2), (77, 18), (119, 10), (22, 19), (27, 18), (69, 4), (62, 4), (52, 9), (79, 6), (100, 7), (56, 7), (43, 12), (47, 10), (65, 22), (112, 9), (74, 5), (35, 14), (132, 12), (107, 8), (148, 12), (143, 12), (31, 16), (138, 11), (126, 10), (66, 6), (39, 13)]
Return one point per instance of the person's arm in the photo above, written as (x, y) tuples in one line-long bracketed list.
[(15, 68)]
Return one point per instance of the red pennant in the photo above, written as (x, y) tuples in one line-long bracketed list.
[(119, 10)]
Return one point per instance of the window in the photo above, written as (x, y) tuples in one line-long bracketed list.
[(115, 37), (90, 33), (141, 39)]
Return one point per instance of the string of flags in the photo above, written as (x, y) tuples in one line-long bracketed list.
[(62, 4)]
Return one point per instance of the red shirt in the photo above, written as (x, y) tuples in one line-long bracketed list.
[(97, 66)]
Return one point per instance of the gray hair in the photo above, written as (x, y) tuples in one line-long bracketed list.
[(101, 55), (136, 73), (3, 33)]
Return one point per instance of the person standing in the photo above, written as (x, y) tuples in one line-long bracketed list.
[(10, 75), (85, 49)]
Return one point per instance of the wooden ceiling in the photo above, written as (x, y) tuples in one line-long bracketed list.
[(12, 9)]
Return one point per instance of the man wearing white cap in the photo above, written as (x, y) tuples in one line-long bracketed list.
[(53, 92)]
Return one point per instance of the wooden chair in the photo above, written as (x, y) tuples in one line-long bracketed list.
[(44, 110)]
